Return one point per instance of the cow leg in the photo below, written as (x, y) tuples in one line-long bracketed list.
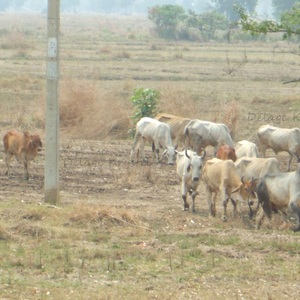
[(194, 194), (259, 217), (183, 194), (186, 206), (7, 160), (250, 210), (225, 197), (224, 216), (211, 201), (133, 146), (142, 146), (157, 154), (235, 212), (26, 173), (295, 208)]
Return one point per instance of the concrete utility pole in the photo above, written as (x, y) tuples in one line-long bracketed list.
[(51, 184)]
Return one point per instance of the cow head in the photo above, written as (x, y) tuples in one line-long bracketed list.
[(247, 189), (195, 165), (36, 142), (170, 152)]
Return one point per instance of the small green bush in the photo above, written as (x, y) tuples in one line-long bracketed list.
[(145, 104)]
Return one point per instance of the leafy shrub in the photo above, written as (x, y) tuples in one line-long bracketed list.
[(145, 102)]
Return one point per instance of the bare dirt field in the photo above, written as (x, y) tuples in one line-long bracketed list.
[(118, 231)]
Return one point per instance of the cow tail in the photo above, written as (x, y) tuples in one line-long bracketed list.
[(264, 197)]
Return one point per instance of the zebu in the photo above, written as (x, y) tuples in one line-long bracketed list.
[(277, 192), (158, 134), (189, 169)]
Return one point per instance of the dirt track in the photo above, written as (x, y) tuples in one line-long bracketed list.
[(101, 171)]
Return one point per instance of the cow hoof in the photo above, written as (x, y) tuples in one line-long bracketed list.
[(224, 218)]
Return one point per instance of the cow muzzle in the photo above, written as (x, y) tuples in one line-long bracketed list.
[(195, 178)]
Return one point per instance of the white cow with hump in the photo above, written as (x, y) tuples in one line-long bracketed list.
[(279, 139), (246, 148), (189, 170), (200, 134), (253, 168), (277, 192), (158, 134)]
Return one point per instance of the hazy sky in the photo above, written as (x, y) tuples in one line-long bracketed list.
[(264, 7)]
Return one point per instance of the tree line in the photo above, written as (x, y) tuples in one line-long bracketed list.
[(173, 22)]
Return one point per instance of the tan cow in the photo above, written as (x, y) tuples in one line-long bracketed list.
[(177, 125), (221, 177), (23, 146)]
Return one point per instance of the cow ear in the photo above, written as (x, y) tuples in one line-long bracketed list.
[(189, 168), (237, 189), (242, 179)]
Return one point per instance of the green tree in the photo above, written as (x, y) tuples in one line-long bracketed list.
[(289, 23), (227, 7), (281, 6), (207, 23), (166, 18)]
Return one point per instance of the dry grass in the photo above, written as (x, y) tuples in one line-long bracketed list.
[(88, 112), (120, 226)]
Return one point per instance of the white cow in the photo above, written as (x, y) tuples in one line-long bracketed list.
[(253, 168), (277, 192), (256, 167), (246, 148), (158, 134), (221, 177), (189, 169), (279, 139), (200, 134)]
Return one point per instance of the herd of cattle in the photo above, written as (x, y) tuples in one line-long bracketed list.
[(239, 169)]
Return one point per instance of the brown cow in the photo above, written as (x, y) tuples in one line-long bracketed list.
[(226, 152), (23, 145)]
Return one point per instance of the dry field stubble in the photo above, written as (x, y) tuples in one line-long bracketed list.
[(119, 231)]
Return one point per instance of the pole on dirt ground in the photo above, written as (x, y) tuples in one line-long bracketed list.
[(51, 183)]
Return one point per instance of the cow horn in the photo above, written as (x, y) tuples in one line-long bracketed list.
[(242, 179), (186, 154), (204, 153)]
